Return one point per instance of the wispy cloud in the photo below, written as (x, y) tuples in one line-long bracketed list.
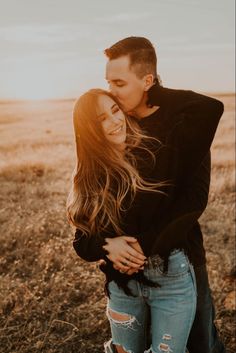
[(45, 34), (66, 46), (123, 17)]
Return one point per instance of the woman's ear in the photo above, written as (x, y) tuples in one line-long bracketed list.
[(149, 81)]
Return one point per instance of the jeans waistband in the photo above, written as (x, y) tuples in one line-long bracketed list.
[(156, 260)]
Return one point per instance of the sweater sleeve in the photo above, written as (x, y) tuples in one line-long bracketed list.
[(195, 134), (89, 248), (194, 118), (179, 216)]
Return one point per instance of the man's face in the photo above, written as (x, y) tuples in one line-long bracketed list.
[(125, 85)]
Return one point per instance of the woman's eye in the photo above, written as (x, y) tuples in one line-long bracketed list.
[(102, 118), (115, 110)]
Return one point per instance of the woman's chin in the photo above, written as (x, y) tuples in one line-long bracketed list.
[(118, 140), (119, 144)]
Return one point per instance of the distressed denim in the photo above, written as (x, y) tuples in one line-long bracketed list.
[(172, 308)]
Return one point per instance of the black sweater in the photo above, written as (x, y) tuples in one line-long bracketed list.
[(185, 125)]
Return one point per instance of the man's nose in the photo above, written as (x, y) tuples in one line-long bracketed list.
[(113, 90)]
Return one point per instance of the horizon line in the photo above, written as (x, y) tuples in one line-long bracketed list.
[(56, 99)]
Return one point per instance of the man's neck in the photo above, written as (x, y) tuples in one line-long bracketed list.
[(144, 111)]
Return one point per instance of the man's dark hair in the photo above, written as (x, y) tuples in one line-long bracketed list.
[(143, 59)]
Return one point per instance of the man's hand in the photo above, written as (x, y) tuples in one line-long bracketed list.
[(124, 252)]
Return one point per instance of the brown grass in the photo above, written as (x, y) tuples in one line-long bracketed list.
[(50, 300)]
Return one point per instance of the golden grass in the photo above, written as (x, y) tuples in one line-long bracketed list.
[(50, 300)]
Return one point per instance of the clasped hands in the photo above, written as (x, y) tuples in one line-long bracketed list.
[(126, 254)]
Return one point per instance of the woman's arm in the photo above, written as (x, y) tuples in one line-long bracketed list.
[(89, 248), (117, 249)]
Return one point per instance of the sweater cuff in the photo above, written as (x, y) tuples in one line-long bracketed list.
[(103, 252), (90, 249), (146, 247)]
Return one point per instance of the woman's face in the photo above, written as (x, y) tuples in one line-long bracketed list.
[(112, 120)]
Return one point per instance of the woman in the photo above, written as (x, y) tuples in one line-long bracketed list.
[(105, 205)]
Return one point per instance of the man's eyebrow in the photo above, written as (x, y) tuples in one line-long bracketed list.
[(115, 80)]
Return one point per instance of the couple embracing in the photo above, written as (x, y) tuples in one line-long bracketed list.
[(140, 184)]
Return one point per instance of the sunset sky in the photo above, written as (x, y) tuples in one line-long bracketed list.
[(54, 48)]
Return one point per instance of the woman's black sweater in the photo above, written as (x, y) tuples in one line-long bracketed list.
[(185, 125)]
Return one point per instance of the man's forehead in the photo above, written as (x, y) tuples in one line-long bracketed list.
[(117, 69)]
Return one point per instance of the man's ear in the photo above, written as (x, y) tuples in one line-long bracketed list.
[(148, 81)]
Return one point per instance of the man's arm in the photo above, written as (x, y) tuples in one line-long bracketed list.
[(170, 229), (193, 118)]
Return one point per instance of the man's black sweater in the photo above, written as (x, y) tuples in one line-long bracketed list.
[(185, 125)]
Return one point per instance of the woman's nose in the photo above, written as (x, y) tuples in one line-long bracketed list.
[(113, 118)]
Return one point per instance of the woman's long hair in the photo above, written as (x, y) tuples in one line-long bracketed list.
[(103, 175)]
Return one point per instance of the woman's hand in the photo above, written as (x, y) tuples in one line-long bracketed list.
[(124, 252), (131, 271)]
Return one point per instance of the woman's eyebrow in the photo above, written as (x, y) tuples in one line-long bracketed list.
[(114, 105), (101, 115)]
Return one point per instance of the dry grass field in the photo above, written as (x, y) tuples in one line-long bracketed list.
[(50, 300)]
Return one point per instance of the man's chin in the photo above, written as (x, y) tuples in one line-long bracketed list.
[(130, 112), (126, 110)]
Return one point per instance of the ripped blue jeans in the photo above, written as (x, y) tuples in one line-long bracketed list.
[(172, 307)]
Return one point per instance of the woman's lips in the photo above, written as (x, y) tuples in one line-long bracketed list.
[(117, 130)]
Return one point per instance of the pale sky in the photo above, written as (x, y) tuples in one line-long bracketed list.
[(54, 48)]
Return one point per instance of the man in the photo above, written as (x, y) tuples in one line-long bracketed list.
[(132, 76)]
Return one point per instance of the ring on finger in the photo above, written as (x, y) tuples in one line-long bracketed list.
[(124, 263)]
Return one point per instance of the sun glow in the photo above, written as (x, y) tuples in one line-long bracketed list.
[(58, 55), (43, 78), (33, 83)]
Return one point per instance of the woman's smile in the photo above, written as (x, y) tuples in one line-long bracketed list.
[(112, 120), (117, 130)]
